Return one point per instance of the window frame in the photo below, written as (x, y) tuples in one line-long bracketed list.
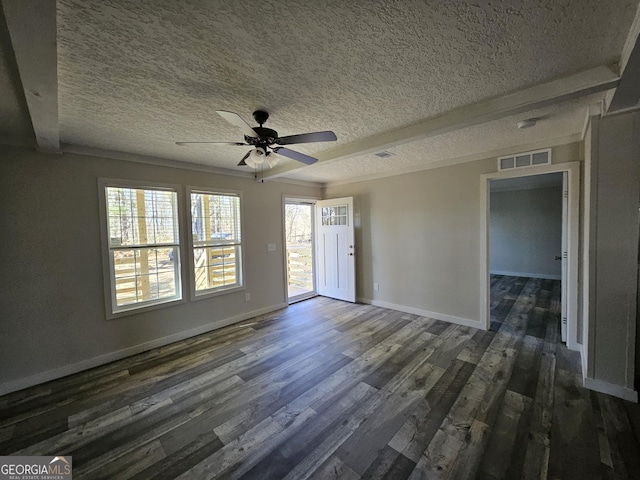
[(112, 310), (222, 290)]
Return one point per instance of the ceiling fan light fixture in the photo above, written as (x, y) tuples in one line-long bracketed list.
[(256, 157), (250, 162), (272, 159)]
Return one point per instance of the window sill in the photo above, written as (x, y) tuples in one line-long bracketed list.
[(215, 293), (144, 309)]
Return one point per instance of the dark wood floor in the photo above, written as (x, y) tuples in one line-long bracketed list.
[(326, 389)]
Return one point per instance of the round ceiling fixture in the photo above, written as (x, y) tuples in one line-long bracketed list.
[(529, 122)]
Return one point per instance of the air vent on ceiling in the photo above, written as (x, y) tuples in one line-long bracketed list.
[(384, 154), (525, 159)]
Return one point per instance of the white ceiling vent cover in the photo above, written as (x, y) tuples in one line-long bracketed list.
[(525, 159)]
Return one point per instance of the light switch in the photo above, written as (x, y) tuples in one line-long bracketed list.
[(271, 247)]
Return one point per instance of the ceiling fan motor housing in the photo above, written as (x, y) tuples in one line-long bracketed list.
[(261, 117), (267, 137)]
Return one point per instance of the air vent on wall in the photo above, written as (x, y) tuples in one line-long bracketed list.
[(525, 159), (384, 154)]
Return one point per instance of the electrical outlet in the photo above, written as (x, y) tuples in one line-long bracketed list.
[(376, 287), (247, 297)]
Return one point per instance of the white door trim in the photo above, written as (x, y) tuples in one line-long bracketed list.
[(565, 248), (573, 235)]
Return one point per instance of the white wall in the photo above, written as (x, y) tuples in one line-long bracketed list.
[(614, 196), (417, 236), (526, 232), (52, 312)]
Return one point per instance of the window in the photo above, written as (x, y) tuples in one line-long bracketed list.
[(216, 241), (334, 215), (143, 244)]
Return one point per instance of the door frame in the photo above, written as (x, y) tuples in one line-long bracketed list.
[(310, 201), (573, 236)]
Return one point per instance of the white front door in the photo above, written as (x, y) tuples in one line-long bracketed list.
[(336, 249)]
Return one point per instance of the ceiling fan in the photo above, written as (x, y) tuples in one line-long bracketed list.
[(266, 142)]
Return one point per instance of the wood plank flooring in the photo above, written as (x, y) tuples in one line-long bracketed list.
[(327, 389)]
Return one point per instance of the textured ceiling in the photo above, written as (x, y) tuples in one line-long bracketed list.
[(136, 76), (554, 124)]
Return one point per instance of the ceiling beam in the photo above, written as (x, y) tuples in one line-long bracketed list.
[(32, 28), (627, 94), (585, 83)]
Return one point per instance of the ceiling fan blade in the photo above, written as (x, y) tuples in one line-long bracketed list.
[(219, 143), (238, 121), (301, 157), (242, 162), (326, 136)]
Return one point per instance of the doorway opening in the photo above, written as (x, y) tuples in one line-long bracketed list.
[(570, 328), (299, 242), (527, 239)]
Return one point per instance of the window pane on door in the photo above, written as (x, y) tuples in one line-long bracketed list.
[(334, 215)]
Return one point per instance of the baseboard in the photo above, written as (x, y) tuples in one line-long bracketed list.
[(611, 389), (38, 378), (528, 275), (423, 313)]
